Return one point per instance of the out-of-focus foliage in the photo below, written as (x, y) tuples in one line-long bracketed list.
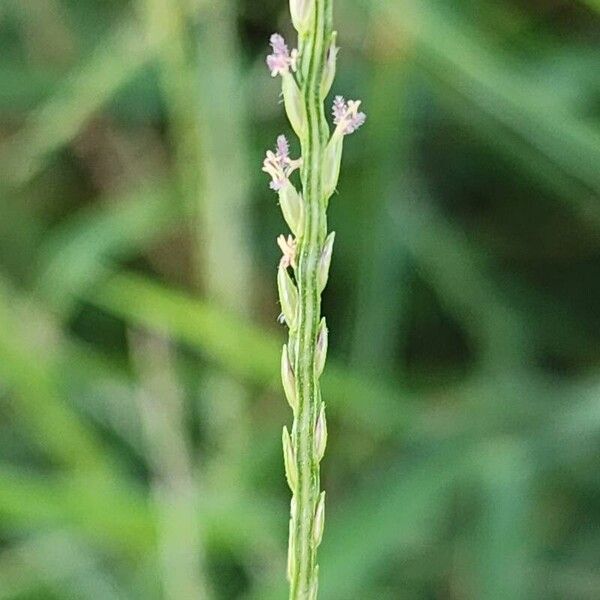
[(140, 409)]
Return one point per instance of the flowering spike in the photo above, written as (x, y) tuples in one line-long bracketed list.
[(306, 80), (289, 380), (294, 106), (319, 522), (301, 11), (330, 66), (325, 262), (321, 434), (321, 351), (288, 297), (289, 459)]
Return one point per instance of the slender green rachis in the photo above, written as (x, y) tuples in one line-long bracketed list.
[(307, 76)]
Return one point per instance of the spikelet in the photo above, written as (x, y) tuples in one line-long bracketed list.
[(289, 458), (292, 208), (294, 107), (301, 11), (330, 66), (319, 521), (288, 297), (321, 350), (321, 434), (325, 262), (288, 379), (291, 550)]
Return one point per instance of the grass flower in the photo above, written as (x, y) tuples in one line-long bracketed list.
[(346, 115), (280, 61)]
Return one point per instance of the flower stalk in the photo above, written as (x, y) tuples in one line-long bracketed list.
[(307, 75)]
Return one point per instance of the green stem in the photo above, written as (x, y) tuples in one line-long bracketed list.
[(310, 245)]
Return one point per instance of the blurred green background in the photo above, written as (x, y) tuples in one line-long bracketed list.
[(140, 406)]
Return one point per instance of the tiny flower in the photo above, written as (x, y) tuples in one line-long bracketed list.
[(281, 60), (288, 248), (283, 148), (276, 169), (346, 115), (279, 165)]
